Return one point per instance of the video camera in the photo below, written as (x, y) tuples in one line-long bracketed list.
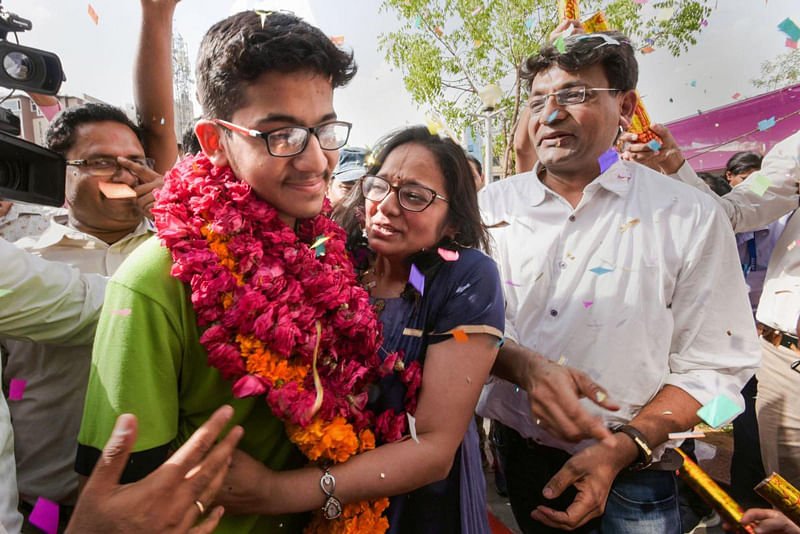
[(28, 172)]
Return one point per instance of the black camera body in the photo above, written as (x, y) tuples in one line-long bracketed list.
[(28, 172)]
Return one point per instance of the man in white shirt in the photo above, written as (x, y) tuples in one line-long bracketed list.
[(621, 273), (108, 187), (762, 198)]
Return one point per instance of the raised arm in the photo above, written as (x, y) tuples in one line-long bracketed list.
[(152, 82)]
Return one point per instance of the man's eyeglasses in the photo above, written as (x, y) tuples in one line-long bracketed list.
[(412, 197), (290, 141), (107, 166), (566, 97)]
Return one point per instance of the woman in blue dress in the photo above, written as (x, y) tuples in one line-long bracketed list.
[(441, 304)]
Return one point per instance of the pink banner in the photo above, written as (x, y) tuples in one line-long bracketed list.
[(709, 139)]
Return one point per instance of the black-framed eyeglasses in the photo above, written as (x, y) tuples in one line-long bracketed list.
[(107, 166), (289, 141), (566, 97), (412, 197)]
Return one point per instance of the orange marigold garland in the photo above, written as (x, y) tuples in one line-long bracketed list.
[(283, 318)]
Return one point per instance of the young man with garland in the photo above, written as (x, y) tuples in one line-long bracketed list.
[(245, 270)]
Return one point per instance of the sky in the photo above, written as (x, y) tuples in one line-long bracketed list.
[(98, 59)]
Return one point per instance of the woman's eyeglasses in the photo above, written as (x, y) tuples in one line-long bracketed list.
[(412, 197)]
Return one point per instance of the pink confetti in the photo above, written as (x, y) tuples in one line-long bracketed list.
[(476, 10), (587, 303), (736, 95), (791, 44), (509, 282), (124, 312), (16, 388), (45, 515), (448, 255)]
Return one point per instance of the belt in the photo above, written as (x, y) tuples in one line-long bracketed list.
[(780, 338)]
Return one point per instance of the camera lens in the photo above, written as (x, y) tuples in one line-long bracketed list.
[(18, 66)]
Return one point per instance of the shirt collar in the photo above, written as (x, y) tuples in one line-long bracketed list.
[(616, 179), (60, 229)]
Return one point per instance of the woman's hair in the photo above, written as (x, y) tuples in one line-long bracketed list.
[(742, 162), (463, 213)]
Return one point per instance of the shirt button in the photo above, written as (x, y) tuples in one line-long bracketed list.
[(571, 218), (562, 264), (553, 312)]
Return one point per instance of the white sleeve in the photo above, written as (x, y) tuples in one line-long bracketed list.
[(46, 301), (746, 206), (714, 347)]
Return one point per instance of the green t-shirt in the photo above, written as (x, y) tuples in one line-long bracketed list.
[(147, 360)]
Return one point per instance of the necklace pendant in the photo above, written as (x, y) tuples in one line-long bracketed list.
[(332, 508)]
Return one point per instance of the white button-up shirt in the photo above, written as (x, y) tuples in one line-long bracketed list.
[(639, 286), (42, 301), (57, 376), (779, 306)]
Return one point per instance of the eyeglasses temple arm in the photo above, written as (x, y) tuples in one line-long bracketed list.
[(237, 128)]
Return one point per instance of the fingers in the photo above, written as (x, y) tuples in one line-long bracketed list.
[(579, 512), (143, 172), (210, 523), (207, 478), (193, 451), (592, 390), (112, 462), (566, 27)]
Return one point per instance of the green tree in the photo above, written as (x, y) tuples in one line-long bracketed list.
[(449, 49), (782, 71)]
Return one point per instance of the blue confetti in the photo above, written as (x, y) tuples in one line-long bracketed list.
[(529, 22), (766, 124), (417, 279), (654, 145), (788, 27), (607, 159), (719, 411), (551, 117), (600, 270), (501, 342)]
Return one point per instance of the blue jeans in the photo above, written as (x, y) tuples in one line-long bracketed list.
[(642, 502)]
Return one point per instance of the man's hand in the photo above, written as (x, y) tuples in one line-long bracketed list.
[(246, 486), (164, 502), (149, 179), (767, 521), (566, 27), (667, 159), (592, 471), (554, 392)]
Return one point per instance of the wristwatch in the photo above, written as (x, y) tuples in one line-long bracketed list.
[(645, 452)]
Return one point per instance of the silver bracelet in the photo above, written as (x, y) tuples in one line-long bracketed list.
[(333, 506)]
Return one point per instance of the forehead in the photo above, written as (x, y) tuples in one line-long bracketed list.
[(412, 162), (105, 138), (303, 97), (555, 78)]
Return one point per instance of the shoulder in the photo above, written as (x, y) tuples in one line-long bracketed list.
[(473, 270), (660, 190), (147, 271), (500, 198)]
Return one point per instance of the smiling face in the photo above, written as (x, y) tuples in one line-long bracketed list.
[(569, 139), (397, 233), (89, 210), (296, 185)]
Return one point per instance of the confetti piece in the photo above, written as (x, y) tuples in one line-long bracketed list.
[(600, 396), (263, 15), (668, 412), (476, 10), (500, 343), (766, 124), (649, 40), (513, 284), (550, 118), (417, 22), (529, 22), (448, 255), (647, 50), (4, 292), (538, 277), (587, 303), (469, 380), (319, 240), (93, 15), (562, 360), (759, 184), (600, 270), (788, 27), (412, 427), (413, 332), (607, 159), (433, 126), (319, 251), (438, 31), (791, 44), (16, 388), (629, 224), (686, 435), (639, 1), (45, 515), (116, 190), (383, 475), (417, 279), (163, 121), (704, 22), (124, 312), (338, 40), (736, 95), (693, 83), (460, 336), (559, 44), (501, 224), (719, 411), (654, 145), (477, 44), (664, 14), (790, 247)]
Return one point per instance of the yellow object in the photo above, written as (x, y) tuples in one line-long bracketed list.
[(568, 9), (781, 494), (705, 487)]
